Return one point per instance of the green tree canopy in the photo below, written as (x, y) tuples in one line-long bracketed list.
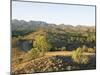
[(41, 43)]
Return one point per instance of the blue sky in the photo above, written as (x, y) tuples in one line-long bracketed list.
[(54, 13)]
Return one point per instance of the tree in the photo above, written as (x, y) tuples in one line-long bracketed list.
[(41, 43)]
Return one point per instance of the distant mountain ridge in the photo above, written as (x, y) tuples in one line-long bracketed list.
[(23, 27), (32, 22)]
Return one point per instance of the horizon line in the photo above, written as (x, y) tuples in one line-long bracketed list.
[(56, 23)]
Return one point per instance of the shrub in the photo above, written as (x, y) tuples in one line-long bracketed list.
[(33, 54), (84, 60), (56, 48), (19, 60), (63, 48), (85, 48), (91, 50), (59, 49), (79, 57)]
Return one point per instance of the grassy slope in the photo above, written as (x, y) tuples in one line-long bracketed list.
[(52, 61)]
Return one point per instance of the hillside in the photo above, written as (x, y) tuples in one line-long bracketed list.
[(52, 62), (21, 27), (38, 46)]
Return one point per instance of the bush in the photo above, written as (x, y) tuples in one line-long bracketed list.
[(63, 48), (79, 57), (33, 54), (59, 49), (19, 60), (84, 60), (55, 48), (91, 50), (85, 48)]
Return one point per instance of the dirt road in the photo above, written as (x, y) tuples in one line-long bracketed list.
[(64, 53)]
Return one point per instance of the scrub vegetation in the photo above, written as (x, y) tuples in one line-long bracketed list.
[(42, 47)]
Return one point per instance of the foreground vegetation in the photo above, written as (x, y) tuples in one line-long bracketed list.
[(54, 63), (44, 47)]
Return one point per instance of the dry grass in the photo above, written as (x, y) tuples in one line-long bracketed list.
[(52, 61), (60, 53), (64, 53)]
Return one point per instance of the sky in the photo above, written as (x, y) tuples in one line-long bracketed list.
[(54, 13)]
